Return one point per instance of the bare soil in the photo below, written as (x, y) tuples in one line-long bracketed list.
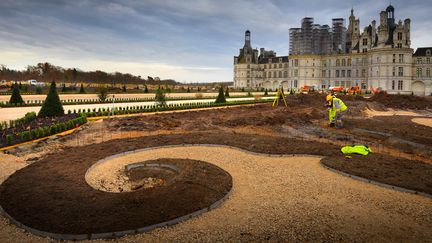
[(60, 201), (298, 129)]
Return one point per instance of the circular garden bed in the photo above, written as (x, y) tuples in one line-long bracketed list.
[(53, 197)]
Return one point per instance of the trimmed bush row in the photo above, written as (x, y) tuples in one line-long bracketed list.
[(30, 116), (97, 101), (44, 131), (155, 108)]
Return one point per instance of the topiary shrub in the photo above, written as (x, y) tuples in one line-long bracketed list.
[(53, 129), (41, 132), (82, 91), (34, 133), (160, 97), (221, 96), (9, 139), (265, 92), (16, 96), (52, 106), (227, 92)]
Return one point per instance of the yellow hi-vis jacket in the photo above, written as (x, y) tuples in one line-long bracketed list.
[(338, 106)]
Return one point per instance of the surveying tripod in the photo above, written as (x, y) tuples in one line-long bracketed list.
[(279, 94)]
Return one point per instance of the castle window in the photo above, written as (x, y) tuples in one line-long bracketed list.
[(394, 71), (401, 72), (349, 73), (285, 74), (419, 72), (296, 63), (296, 72), (400, 85), (280, 74), (269, 74), (343, 62), (363, 73), (337, 74), (274, 74), (349, 62), (364, 50), (394, 58), (323, 73), (275, 65), (399, 45), (401, 58), (286, 65), (337, 63), (248, 66), (428, 52), (365, 42), (280, 65), (419, 60), (393, 85), (428, 73), (280, 59), (265, 66), (357, 73), (428, 60), (399, 35), (343, 73)]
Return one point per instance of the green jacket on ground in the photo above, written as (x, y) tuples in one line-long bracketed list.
[(356, 149)]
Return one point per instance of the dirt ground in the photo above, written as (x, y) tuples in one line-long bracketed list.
[(286, 199), (402, 146), (80, 209)]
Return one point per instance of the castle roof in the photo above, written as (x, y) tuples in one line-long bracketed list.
[(273, 59), (423, 51)]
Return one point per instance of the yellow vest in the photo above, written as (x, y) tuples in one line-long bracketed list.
[(342, 106)]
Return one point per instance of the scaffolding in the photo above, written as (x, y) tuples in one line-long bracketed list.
[(317, 39)]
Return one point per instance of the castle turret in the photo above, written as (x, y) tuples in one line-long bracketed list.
[(248, 39)]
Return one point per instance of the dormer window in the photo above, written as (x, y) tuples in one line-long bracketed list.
[(428, 52), (399, 35)]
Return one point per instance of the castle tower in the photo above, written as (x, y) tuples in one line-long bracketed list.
[(353, 33), (391, 24), (248, 39)]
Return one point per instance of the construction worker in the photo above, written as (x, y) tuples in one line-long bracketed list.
[(336, 110)]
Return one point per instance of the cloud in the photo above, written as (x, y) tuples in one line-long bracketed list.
[(185, 40)]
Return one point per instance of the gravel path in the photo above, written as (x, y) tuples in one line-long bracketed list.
[(423, 121), (285, 199)]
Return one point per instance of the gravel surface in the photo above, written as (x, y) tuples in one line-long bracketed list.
[(286, 199), (423, 121)]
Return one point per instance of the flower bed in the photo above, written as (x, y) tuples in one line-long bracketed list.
[(31, 127)]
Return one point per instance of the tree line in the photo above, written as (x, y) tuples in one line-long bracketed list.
[(47, 72)]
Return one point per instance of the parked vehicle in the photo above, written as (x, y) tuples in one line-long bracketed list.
[(337, 89), (33, 82), (354, 90)]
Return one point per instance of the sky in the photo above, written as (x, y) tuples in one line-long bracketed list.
[(188, 40)]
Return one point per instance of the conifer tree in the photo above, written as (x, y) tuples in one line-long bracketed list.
[(221, 96), (52, 105), (16, 96), (146, 89), (82, 91), (160, 97), (227, 92)]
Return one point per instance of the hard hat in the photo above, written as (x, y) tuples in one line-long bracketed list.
[(329, 97)]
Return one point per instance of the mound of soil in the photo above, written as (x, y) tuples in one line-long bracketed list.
[(403, 101)]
